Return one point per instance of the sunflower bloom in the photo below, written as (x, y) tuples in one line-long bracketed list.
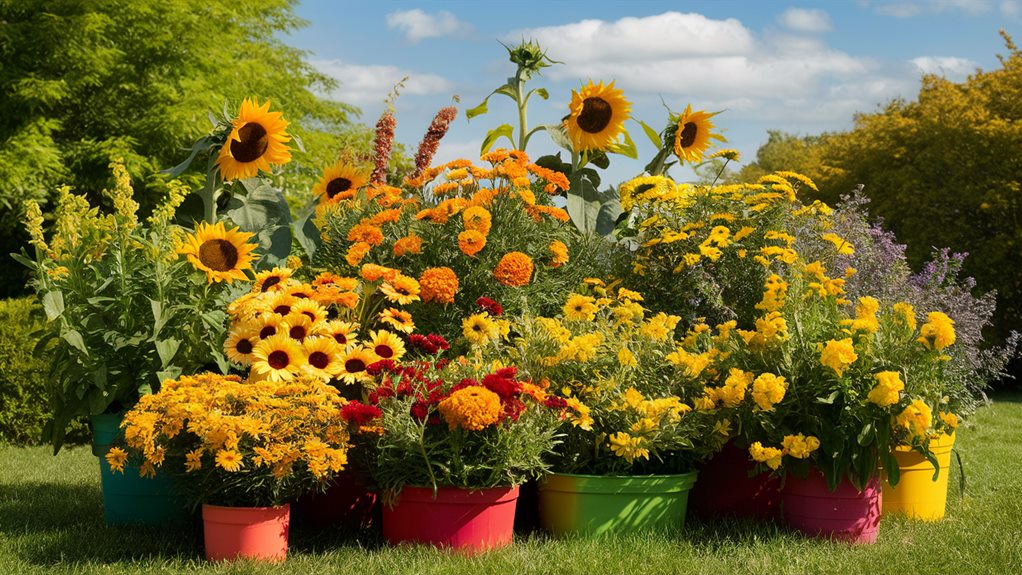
[(354, 364), (240, 344), (694, 132), (278, 358), (339, 182), (386, 345), (344, 333), (257, 142), (271, 280), (223, 254), (597, 117), (398, 319), (324, 356)]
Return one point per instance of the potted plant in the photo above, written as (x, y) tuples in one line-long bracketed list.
[(457, 441), (632, 434), (241, 450), (124, 311)]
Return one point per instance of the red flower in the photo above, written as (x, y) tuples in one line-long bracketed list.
[(423, 344), (489, 306), (438, 341), (506, 388), (360, 413), (379, 367), (555, 402), (419, 410), (507, 372)]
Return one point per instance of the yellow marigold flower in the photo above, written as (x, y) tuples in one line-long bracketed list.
[(478, 328), (438, 285), (799, 446), (842, 245), (938, 332), (410, 244), (916, 419), (514, 269), (579, 308), (558, 253), (768, 389), (356, 253), (838, 355), (471, 242), (471, 408), (116, 458), (950, 420), (905, 314), (401, 289), (229, 460), (477, 218), (580, 415), (626, 358), (887, 390), (769, 455), (630, 448)]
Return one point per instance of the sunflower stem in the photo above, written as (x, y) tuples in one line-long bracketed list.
[(523, 104), (208, 193)]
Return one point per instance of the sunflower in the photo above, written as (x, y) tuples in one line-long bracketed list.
[(478, 328), (597, 118), (223, 254), (398, 319), (386, 345), (299, 326), (278, 358), (401, 290), (271, 280), (268, 325), (309, 308), (281, 303), (354, 363), (339, 182), (241, 342), (693, 135), (324, 355), (344, 333), (257, 141)]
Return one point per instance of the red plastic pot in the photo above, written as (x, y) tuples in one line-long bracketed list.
[(246, 532), (457, 518), (725, 487), (845, 514)]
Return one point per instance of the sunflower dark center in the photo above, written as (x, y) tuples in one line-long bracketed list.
[(243, 346), (278, 359), (310, 315), (354, 366), (336, 186), (270, 282), (477, 327), (298, 332), (218, 255), (282, 309), (595, 115), (384, 351), (688, 134), (341, 338), (319, 360), (267, 332), (252, 144)]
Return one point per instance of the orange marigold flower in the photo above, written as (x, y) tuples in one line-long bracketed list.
[(471, 408), (410, 244), (514, 269), (356, 252), (386, 216), (471, 242), (439, 285), (369, 234), (373, 272), (477, 218), (559, 253)]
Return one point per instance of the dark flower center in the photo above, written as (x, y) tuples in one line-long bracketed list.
[(218, 255), (336, 186), (688, 134), (270, 282), (278, 359), (282, 309), (319, 360), (341, 338), (298, 332), (384, 351), (354, 366), (243, 346), (267, 332), (252, 145), (595, 115), (310, 315)]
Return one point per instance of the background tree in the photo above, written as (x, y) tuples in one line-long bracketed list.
[(85, 81)]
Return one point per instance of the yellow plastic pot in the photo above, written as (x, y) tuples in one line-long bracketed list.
[(917, 495)]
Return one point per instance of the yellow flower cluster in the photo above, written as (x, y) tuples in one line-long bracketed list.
[(915, 419), (938, 332), (769, 455), (768, 390), (888, 389), (210, 421), (838, 355)]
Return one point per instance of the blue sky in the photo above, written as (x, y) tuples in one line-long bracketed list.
[(801, 67)]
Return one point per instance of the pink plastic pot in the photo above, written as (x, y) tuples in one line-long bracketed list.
[(246, 532), (457, 518), (846, 514), (724, 487)]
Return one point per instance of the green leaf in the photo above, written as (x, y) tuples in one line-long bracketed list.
[(541, 92), (158, 318), (74, 338), (167, 349), (865, 435), (21, 259), (478, 110), (626, 148), (583, 203), (264, 212), (100, 376), (607, 218), (53, 304), (829, 400), (504, 130), (559, 136), (305, 231), (652, 135), (203, 143)]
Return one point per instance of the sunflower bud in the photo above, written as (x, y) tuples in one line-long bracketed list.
[(530, 58)]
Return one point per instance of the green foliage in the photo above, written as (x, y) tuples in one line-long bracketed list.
[(86, 82), (24, 406)]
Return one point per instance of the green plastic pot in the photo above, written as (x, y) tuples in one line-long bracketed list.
[(593, 505), (127, 498)]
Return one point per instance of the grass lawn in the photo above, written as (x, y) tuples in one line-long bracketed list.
[(51, 521)]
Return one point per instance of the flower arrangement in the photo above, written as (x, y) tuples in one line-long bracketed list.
[(627, 389), (234, 443)]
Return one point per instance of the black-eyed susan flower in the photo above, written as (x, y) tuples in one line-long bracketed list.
[(241, 342), (597, 118), (278, 358), (339, 182), (398, 319), (386, 345), (324, 357), (258, 141), (223, 254), (401, 289), (272, 280), (344, 333), (693, 133), (354, 364), (268, 325)]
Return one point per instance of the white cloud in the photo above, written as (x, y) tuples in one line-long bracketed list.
[(909, 9), (1010, 8), (368, 84), (899, 9), (800, 20), (418, 25), (951, 67)]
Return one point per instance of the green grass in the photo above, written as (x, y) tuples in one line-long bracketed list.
[(51, 521)]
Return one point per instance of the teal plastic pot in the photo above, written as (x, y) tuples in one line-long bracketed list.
[(596, 504), (127, 498)]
